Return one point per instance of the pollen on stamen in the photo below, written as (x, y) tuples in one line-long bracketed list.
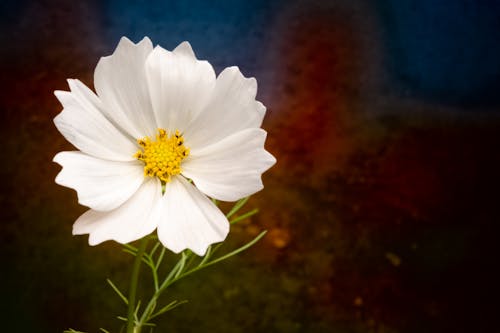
[(162, 157)]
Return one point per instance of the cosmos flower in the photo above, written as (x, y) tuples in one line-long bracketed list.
[(161, 135)]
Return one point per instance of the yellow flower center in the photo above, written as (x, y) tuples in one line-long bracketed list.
[(162, 157)]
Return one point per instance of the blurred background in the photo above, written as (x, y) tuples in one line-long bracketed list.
[(382, 210)]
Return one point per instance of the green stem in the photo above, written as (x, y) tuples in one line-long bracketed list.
[(149, 307), (176, 274), (133, 286)]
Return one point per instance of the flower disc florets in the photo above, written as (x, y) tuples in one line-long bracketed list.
[(162, 158)]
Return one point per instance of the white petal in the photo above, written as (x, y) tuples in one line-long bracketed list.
[(136, 218), (231, 168), (179, 84), (190, 220), (120, 82), (185, 48), (231, 109), (82, 123), (101, 185)]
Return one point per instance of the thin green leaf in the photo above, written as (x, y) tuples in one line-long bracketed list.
[(115, 288), (224, 257), (148, 261), (129, 252), (170, 275), (70, 330), (237, 206), (137, 310), (183, 262), (168, 307), (154, 272), (153, 250), (130, 247), (160, 258), (191, 259), (145, 258), (206, 257), (103, 330), (152, 309), (244, 216), (238, 250)]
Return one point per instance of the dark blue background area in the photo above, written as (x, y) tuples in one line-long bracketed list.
[(227, 32), (447, 50)]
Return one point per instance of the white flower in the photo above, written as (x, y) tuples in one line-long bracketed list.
[(160, 118)]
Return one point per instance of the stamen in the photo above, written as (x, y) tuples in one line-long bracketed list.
[(162, 158)]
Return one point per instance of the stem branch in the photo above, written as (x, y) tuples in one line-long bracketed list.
[(133, 285)]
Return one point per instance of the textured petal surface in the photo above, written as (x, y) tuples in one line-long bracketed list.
[(120, 82), (82, 123), (136, 218), (190, 220), (231, 109), (179, 84), (101, 185), (231, 168)]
